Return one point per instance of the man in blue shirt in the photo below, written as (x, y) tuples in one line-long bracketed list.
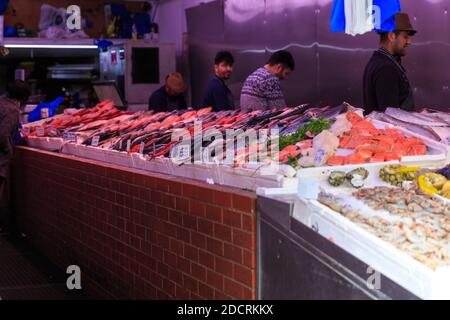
[(218, 95), (170, 96)]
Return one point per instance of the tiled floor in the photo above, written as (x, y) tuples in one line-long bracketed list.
[(26, 275)]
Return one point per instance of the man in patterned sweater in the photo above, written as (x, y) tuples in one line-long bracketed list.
[(262, 89)]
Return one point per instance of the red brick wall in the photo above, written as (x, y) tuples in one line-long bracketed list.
[(135, 234)]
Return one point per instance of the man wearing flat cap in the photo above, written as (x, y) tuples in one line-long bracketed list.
[(170, 96), (385, 80)]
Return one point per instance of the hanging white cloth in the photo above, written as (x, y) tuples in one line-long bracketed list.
[(358, 16)]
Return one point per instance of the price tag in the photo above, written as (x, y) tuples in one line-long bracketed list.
[(181, 153), (142, 147), (95, 141), (26, 130), (40, 132), (319, 156), (128, 145), (70, 137), (45, 113)]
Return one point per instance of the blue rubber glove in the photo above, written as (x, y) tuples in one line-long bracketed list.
[(35, 115)]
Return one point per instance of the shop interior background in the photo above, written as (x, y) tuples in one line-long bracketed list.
[(329, 65)]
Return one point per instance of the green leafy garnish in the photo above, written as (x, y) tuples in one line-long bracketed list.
[(314, 127)]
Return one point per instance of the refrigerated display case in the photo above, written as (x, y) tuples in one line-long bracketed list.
[(297, 262)]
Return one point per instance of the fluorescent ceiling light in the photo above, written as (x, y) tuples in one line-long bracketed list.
[(50, 46)]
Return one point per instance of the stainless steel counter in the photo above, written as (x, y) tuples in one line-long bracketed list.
[(294, 262)]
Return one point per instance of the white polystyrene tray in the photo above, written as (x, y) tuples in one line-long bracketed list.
[(378, 254), (70, 148), (244, 178), (159, 165), (119, 158), (416, 134), (45, 143), (437, 152), (274, 192), (222, 175), (312, 180), (207, 173), (138, 161), (93, 153), (186, 170)]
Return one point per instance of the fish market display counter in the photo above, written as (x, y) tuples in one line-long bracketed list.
[(296, 262), (115, 189), (135, 234), (249, 149)]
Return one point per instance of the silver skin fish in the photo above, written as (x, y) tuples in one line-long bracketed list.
[(414, 118)]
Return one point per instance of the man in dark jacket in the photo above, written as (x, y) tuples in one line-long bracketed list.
[(16, 93), (218, 95), (170, 96), (385, 81)]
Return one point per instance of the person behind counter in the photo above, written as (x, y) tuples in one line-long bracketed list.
[(385, 81), (17, 92), (262, 89), (170, 96), (217, 94)]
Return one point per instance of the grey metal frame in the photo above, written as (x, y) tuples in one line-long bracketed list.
[(295, 262)]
